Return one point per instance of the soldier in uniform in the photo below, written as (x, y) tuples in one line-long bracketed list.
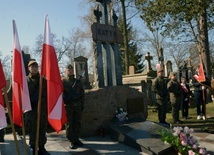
[(31, 116), (74, 99), (159, 87), (175, 91)]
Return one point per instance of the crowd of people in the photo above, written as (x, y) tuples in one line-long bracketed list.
[(170, 90), (166, 90)]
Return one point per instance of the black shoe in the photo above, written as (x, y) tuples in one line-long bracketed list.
[(2, 140), (43, 151), (78, 143), (72, 146)]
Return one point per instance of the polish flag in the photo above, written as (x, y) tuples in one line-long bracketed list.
[(200, 77), (20, 95), (3, 122), (50, 69)]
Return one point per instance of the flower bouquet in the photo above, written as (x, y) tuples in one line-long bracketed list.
[(183, 141), (121, 115)]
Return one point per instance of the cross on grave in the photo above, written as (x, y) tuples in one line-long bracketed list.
[(148, 58)]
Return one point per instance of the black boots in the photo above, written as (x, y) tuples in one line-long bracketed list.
[(43, 151)]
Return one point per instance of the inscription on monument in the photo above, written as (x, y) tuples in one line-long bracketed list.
[(106, 33)]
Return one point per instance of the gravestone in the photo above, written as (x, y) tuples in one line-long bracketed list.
[(148, 58), (168, 68), (81, 70), (149, 70), (183, 71), (131, 70)]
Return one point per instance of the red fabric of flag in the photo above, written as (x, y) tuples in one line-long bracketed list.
[(200, 77), (3, 122), (50, 69), (20, 95), (2, 77)]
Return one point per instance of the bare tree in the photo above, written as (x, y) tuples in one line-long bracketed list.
[(179, 53), (6, 64)]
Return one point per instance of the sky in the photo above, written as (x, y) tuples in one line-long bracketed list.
[(29, 15)]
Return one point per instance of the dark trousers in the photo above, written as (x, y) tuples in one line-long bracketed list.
[(162, 108), (199, 102), (185, 108), (31, 126), (2, 135), (175, 103), (73, 128)]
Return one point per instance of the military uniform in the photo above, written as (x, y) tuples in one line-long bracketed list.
[(31, 116), (73, 96), (175, 91), (159, 87)]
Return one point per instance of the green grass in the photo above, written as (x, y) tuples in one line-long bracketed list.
[(192, 122)]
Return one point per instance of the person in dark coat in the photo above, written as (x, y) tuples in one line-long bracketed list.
[(185, 101), (159, 87), (174, 89), (74, 96), (200, 93), (31, 116)]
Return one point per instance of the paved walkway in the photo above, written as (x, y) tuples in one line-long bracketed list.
[(58, 145)]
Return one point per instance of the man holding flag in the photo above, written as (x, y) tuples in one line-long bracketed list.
[(200, 84), (31, 116)]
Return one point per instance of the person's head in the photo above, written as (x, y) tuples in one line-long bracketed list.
[(33, 67), (69, 70), (172, 75), (160, 72), (183, 80)]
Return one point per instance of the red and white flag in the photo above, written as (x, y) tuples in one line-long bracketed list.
[(50, 69), (20, 95), (3, 122), (200, 77)]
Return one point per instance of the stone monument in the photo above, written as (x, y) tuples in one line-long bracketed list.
[(106, 37)]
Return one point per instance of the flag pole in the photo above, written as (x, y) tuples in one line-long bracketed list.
[(23, 125), (24, 135), (10, 117), (38, 115), (204, 102)]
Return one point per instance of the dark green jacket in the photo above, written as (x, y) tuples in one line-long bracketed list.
[(73, 90), (159, 87)]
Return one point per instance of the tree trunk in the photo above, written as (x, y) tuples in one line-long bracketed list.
[(125, 38), (204, 44)]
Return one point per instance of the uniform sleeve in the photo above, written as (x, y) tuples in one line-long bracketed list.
[(154, 85)]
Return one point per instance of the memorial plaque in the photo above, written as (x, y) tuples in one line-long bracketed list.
[(106, 33)]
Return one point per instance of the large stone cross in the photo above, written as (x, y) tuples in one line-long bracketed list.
[(148, 58)]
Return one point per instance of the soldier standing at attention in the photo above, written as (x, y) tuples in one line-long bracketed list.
[(174, 89), (159, 87), (73, 96), (31, 116)]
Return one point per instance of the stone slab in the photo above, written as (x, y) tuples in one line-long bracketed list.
[(143, 136)]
